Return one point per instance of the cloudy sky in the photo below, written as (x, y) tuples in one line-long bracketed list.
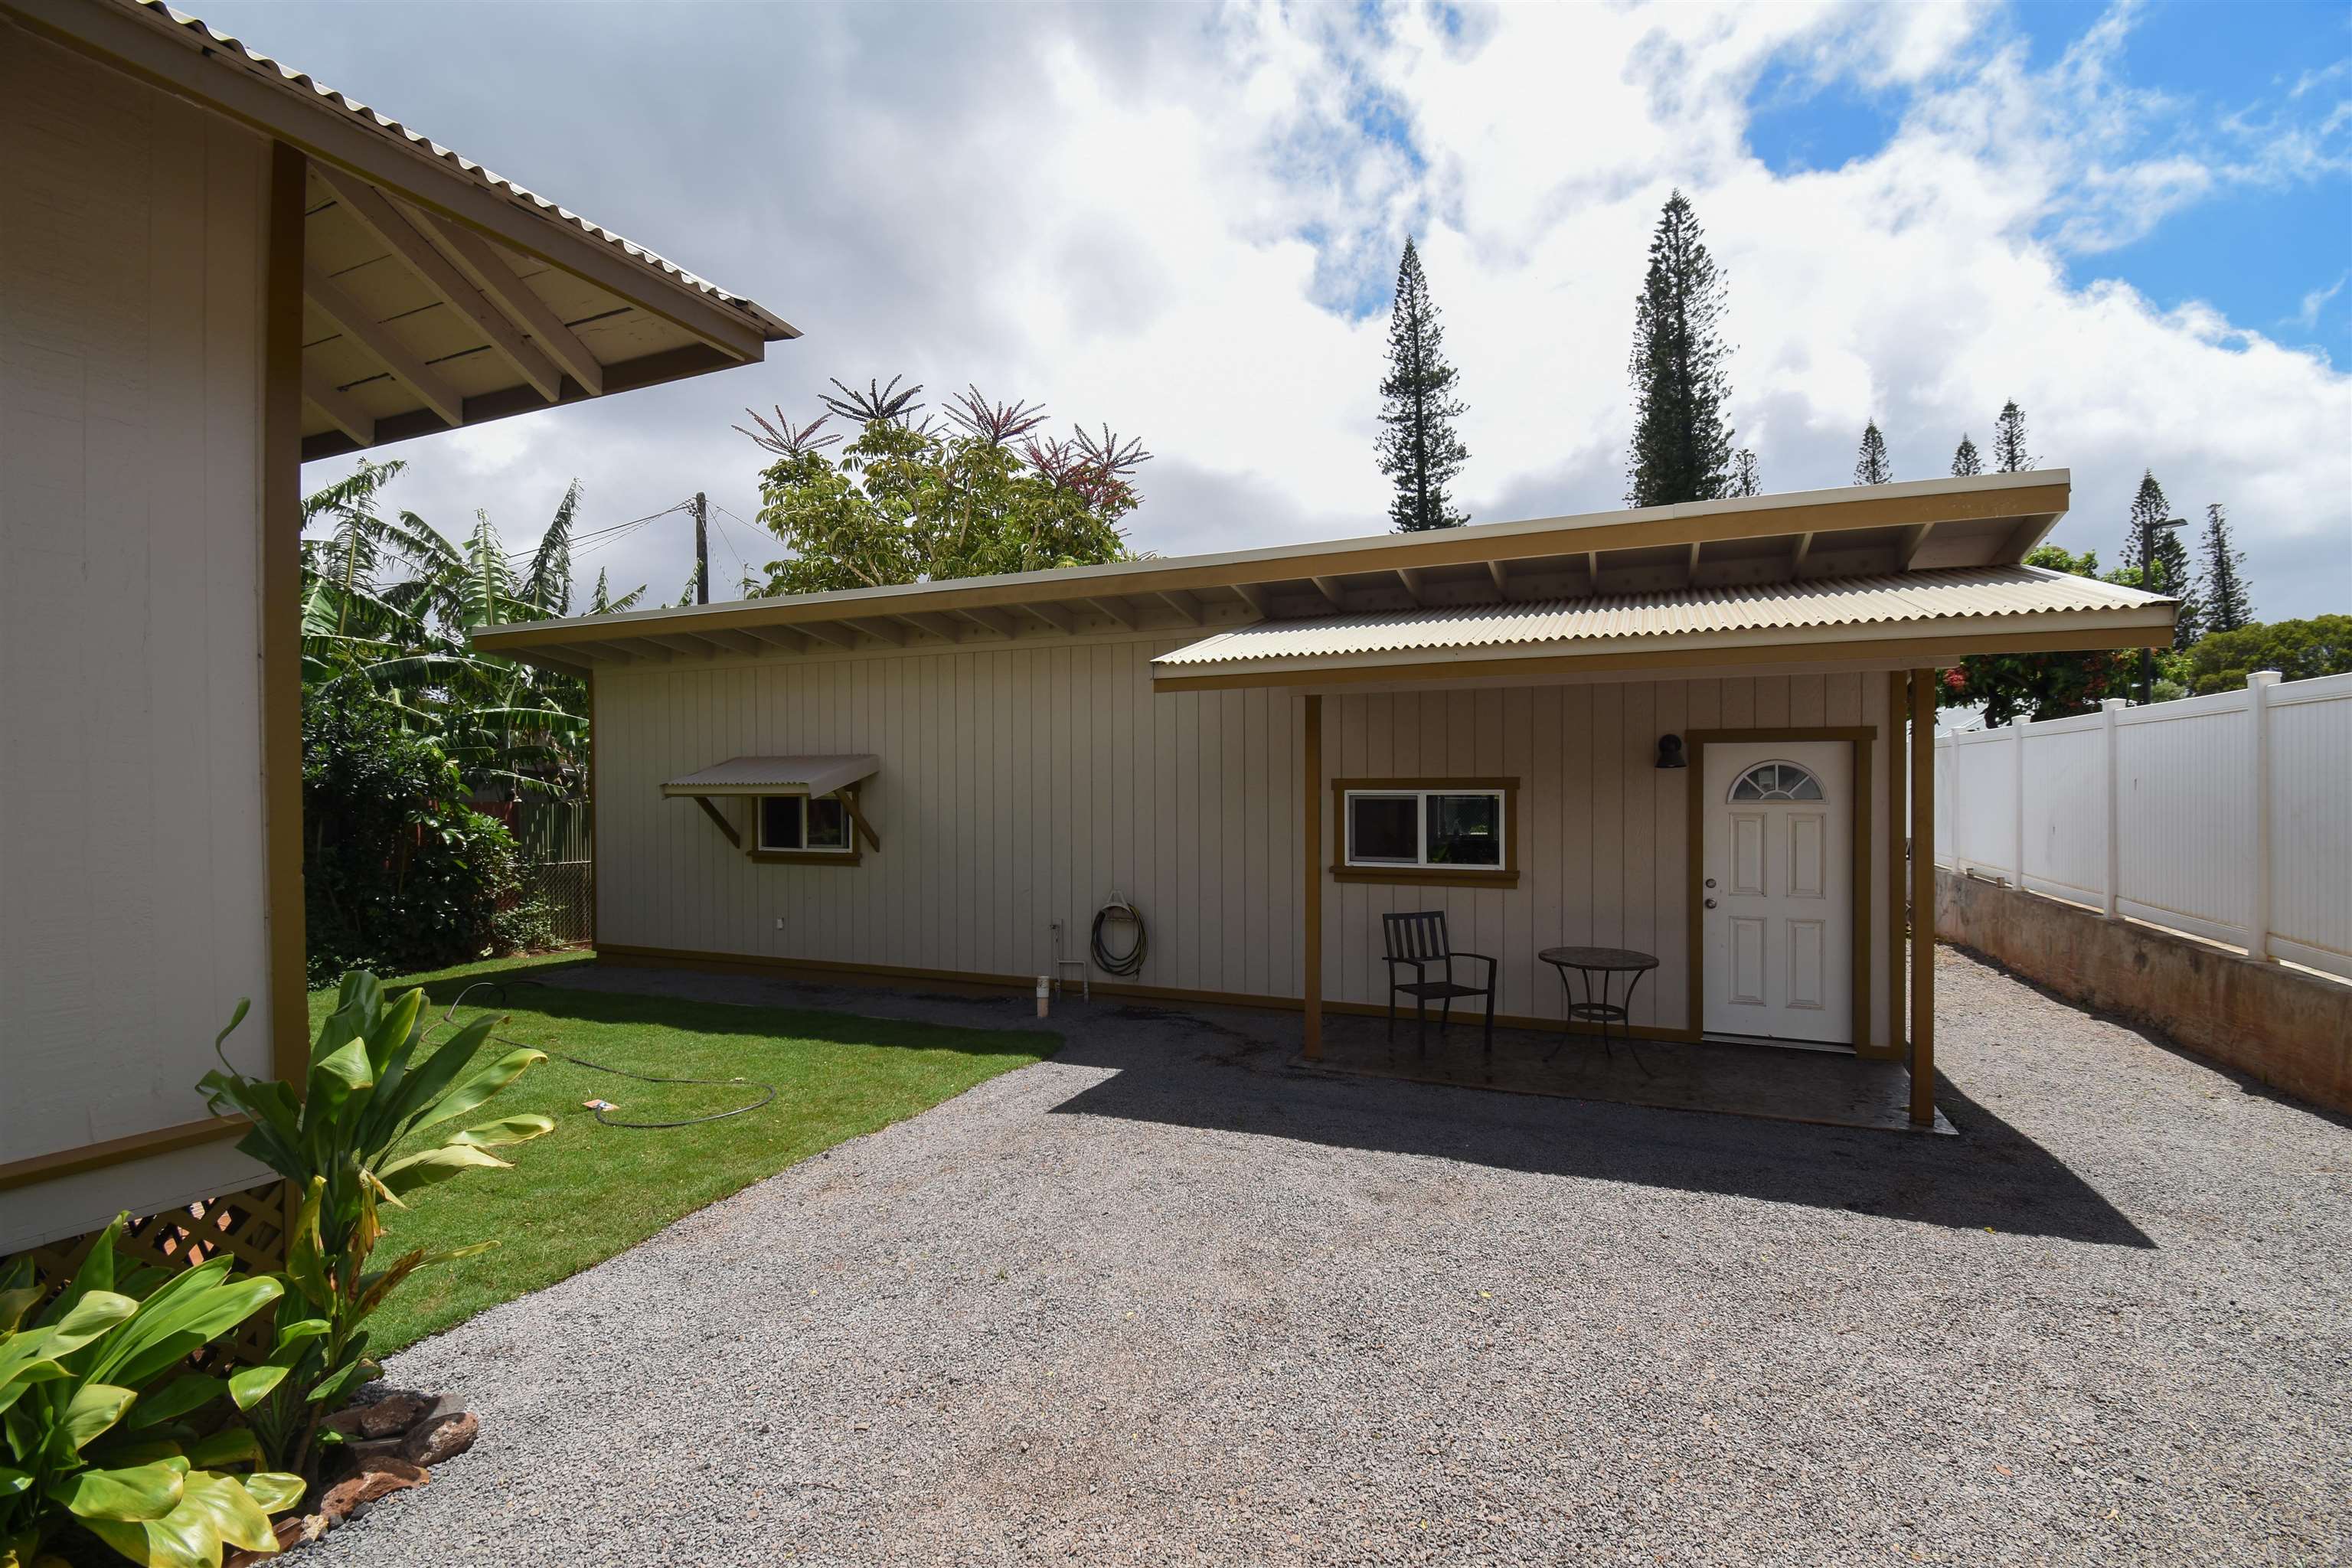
[(1183, 222)]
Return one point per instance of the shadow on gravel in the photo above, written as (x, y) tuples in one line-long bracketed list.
[(1992, 1177)]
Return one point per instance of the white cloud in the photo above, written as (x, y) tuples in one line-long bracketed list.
[(1159, 218), (2307, 318)]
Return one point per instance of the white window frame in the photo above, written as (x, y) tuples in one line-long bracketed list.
[(760, 827), (1351, 861)]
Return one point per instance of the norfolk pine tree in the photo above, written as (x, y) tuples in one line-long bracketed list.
[(1682, 447), (1870, 464), (1418, 447), (1746, 480), (2171, 577), (1965, 463), (2229, 602), (2008, 452)]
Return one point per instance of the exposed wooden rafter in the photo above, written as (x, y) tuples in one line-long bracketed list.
[(882, 631), (1255, 596), (522, 302), (1053, 615), (1184, 604), (1796, 557), (627, 654), (2022, 540), (994, 620), (374, 212), (1411, 578), (1906, 549), (363, 328), (829, 633), (340, 406), (692, 647), (734, 641), (1117, 608), (937, 623), (1690, 567), (780, 637), (1329, 588), (1500, 572)]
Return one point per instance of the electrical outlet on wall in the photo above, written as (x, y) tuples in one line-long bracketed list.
[(780, 922)]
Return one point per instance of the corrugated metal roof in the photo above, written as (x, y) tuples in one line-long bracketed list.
[(1914, 597), (776, 775), (285, 76)]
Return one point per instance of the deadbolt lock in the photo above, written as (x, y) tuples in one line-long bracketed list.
[(1710, 881)]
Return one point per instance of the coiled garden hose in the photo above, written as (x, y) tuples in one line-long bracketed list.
[(1120, 963), (768, 1090)]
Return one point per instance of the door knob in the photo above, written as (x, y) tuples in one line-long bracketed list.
[(1710, 904)]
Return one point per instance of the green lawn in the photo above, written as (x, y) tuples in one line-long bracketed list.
[(584, 1191)]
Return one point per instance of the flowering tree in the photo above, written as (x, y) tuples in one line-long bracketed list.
[(965, 493)]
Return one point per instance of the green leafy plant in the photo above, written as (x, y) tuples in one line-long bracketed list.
[(372, 1085), (95, 1399)]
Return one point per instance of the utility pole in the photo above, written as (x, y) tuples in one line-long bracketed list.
[(702, 549), (2147, 582)]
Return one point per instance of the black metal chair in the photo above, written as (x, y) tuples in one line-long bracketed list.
[(1420, 942)]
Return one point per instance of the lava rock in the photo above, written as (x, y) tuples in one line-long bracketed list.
[(391, 1415), (432, 1441), (376, 1479)]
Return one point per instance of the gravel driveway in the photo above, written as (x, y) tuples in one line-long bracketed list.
[(1161, 1299)]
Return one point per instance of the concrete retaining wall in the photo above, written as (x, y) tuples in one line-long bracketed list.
[(2290, 1029)]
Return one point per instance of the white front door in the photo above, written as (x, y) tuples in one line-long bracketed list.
[(1776, 889)]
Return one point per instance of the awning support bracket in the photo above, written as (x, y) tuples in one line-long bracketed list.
[(718, 820), (857, 817)]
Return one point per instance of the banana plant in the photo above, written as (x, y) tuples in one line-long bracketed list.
[(372, 1087), (95, 1397)]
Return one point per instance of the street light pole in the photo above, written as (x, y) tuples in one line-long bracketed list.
[(2148, 527)]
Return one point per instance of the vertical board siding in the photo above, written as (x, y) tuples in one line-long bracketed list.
[(1023, 785), (1019, 786), (131, 844)]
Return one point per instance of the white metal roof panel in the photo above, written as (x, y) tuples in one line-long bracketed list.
[(1956, 594), (776, 775)]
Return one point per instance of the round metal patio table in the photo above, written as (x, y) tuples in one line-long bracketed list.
[(1598, 968)]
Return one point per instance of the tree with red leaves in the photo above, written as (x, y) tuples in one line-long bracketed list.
[(967, 491)]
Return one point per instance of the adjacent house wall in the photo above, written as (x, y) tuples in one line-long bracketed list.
[(132, 863), (1023, 783)]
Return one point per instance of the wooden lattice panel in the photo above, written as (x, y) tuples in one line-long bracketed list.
[(249, 1226)]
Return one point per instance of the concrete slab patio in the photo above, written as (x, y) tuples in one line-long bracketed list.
[(1833, 1088), (1164, 1299)]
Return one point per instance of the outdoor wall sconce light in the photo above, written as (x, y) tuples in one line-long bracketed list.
[(1670, 752)]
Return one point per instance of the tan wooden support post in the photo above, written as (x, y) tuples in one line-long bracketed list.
[(1898, 870), (281, 604), (1923, 897), (1312, 905)]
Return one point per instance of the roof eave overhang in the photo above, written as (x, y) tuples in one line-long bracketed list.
[(168, 57), (1935, 643), (2037, 499)]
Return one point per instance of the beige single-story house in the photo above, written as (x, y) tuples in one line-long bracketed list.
[(1264, 751), (211, 269)]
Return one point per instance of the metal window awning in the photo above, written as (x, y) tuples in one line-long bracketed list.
[(774, 775)]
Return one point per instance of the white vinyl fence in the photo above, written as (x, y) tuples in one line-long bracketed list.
[(2227, 816)]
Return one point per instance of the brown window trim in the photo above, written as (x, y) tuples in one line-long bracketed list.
[(1504, 876), (852, 855), (806, 856)]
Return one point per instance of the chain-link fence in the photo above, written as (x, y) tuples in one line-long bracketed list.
[(558, 866)]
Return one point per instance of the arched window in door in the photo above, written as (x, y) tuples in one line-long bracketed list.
[(1776, 780)]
